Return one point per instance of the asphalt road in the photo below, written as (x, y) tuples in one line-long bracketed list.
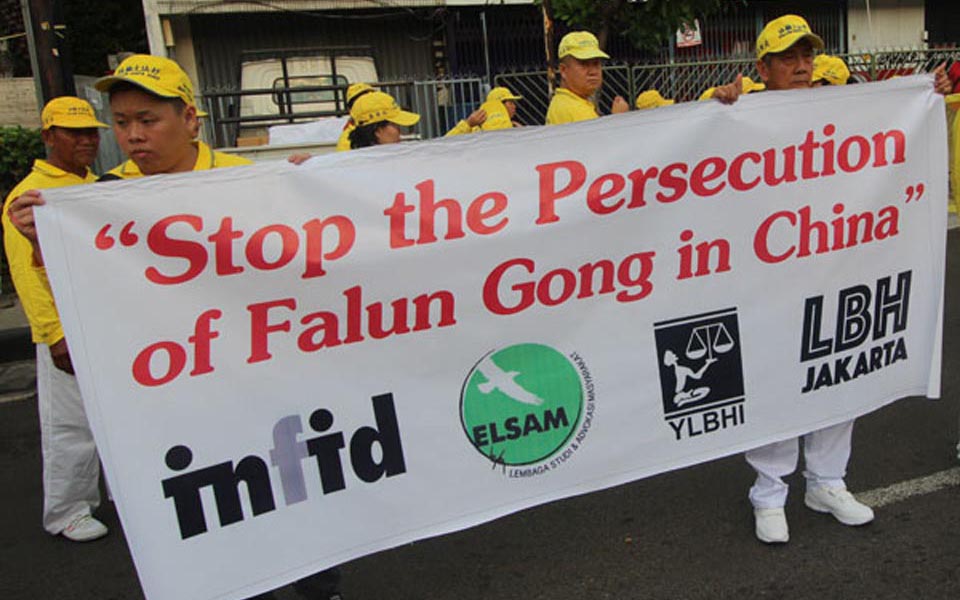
[(682, 535)]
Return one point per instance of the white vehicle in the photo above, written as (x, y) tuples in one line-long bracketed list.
[(302, 72)]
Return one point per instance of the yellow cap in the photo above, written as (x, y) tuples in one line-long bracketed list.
[(652, 99), (356, 89), (379, 106), (157, 75), (502, 94), (70, 112), (830, 68), (582, 45), (782, 33), (747, 86)]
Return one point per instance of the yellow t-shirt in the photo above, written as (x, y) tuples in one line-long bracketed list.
[(29, 279), (497, 116), (567, 107), (953, 120), (343, 142), (207, 158)]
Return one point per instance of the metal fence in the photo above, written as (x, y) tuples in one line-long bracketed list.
[(440, 104), (686, 81)]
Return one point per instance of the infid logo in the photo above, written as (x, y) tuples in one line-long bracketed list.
[(375, 453)]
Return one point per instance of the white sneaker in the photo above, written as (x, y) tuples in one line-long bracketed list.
[(84, 528), (838, 502), (771, 525)]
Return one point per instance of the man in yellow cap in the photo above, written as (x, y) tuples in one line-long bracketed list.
[(651, 99), (71, 466), (498, 112), (829, 70), (785, 52), (581, 75), (155, 119), (353, 92)]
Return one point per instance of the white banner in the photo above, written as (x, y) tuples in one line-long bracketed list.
[(289, 367)]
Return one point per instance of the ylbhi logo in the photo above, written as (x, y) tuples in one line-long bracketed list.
[(701, 372)]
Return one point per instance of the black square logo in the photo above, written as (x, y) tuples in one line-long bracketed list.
[(700, 363)]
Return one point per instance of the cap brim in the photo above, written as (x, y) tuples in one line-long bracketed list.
[(790, 42), (586, 54), (404, 118), (105, 83), (76, 124)]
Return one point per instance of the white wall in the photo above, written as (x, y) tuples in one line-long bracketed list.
[(18, 102), (895, 24)]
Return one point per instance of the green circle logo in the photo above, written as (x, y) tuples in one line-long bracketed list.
[(521, 404)]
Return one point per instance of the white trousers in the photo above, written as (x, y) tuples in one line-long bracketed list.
[(825, 454), (71, 466)]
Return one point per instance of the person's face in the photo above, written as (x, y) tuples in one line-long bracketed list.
[(72, 149), (582, 77), (788, 70), (511, 107), (153, 133), (388, 134)]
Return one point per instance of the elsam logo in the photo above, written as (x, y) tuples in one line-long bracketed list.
[(520, 405), (701, 372)]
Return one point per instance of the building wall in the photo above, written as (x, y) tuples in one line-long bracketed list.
[(943, 22), (18, 102), (895, 24)]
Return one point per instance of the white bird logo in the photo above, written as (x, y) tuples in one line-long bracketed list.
[(498, 379)]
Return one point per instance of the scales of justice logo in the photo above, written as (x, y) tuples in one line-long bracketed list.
[(699, 362)]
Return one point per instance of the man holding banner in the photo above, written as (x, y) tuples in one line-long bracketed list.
[(154, 120), (785, 60), (71, 466)]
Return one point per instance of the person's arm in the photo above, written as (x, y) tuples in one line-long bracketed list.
[(476, 119), (30, 280), (20, 213)]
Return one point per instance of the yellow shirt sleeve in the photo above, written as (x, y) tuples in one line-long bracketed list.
[(459, 129), (30, 280)]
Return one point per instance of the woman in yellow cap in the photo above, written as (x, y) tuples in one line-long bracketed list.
[(829, 70), (353, 93), (497, 112), (378, 119)]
